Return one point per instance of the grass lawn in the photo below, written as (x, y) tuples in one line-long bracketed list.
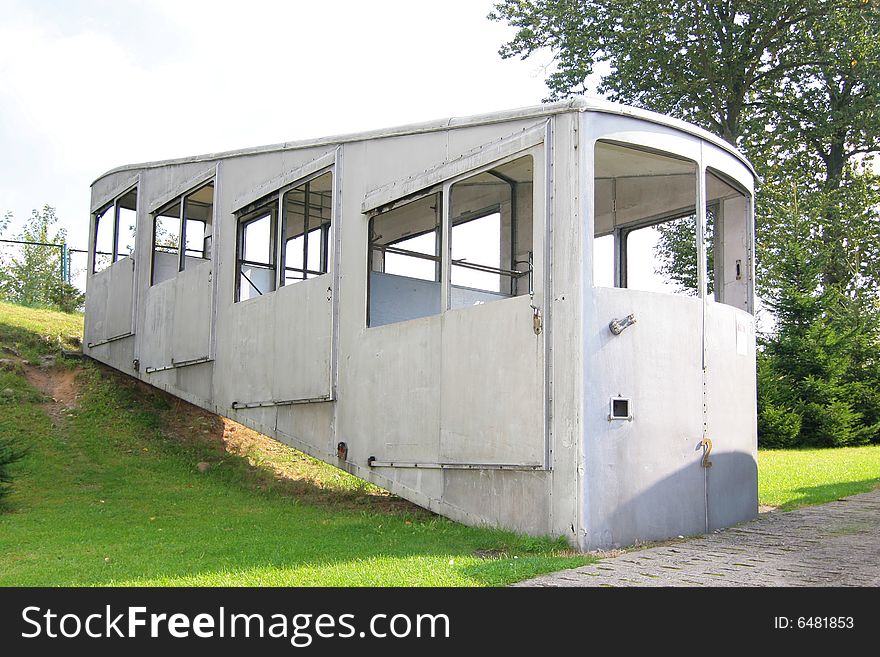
[(33, 331), (798, 477), (111, 495)]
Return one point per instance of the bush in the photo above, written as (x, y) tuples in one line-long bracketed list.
[(34, 276), (66, 297), (819, 371), (778, 427)]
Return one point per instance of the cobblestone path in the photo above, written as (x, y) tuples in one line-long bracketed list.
[(834, 544)]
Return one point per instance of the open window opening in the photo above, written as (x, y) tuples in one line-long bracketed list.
[(491, 234), (198, 212), (306, 231), (645, 220), (115, 230), (166, 241), (404, 262), (182, 233), (255, 252), (126, 208), (490, 253), (728, 242), (661, 257), (104, 227)]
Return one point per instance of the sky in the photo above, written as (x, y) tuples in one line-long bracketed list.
[(90, 85)]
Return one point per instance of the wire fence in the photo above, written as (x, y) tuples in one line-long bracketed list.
[(72, 263)]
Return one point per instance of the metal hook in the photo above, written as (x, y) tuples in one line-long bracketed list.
[(616, 326)]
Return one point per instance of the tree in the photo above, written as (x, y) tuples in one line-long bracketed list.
[(700, 60), (793, 82), (796, 86), (33, 277), (818, 372)]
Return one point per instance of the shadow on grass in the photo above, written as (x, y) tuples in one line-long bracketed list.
[(244, 457), (810, 495)]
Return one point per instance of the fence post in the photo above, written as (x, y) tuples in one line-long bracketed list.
[(65, 264)]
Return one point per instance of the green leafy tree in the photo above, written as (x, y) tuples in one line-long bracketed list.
[(701, 60), (819, 371), (33, 277), (793, 83)]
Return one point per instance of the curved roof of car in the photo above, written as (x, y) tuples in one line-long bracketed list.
[(575, 104)]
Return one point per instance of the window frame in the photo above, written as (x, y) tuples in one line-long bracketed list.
[(325, 227), (541, 213), (501, 273), (437, 191), (621, 233), (539, 228), (183, 220), (155, 220), (180, 200), (438, 247), (99, 214), (718, 270), (261, 211), (273, 202)]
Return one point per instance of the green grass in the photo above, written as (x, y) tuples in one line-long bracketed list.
[(32, 332), (789, 479), (110, 495)]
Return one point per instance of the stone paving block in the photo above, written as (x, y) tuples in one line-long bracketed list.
[(834, 544)]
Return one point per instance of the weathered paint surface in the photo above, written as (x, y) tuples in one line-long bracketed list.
[(475, 387)]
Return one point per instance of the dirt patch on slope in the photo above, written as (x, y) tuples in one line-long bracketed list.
[(58, 384)]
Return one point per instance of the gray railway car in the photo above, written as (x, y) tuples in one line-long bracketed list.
[(470, 313)]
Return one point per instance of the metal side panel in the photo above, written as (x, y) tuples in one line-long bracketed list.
[(394, 394), (192, 312), (121, 296), (731, 410), (96, 308), (157, 338), (490, 495), (303, 340), (308, 423), (492, 378), (643, 476), (248, 366)]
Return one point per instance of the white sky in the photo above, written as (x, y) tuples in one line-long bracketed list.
[(91, 85)]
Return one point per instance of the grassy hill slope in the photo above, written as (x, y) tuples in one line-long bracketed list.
[(111, 493)]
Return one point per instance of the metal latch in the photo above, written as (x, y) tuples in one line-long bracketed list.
[(537, 321), (616, 326)]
